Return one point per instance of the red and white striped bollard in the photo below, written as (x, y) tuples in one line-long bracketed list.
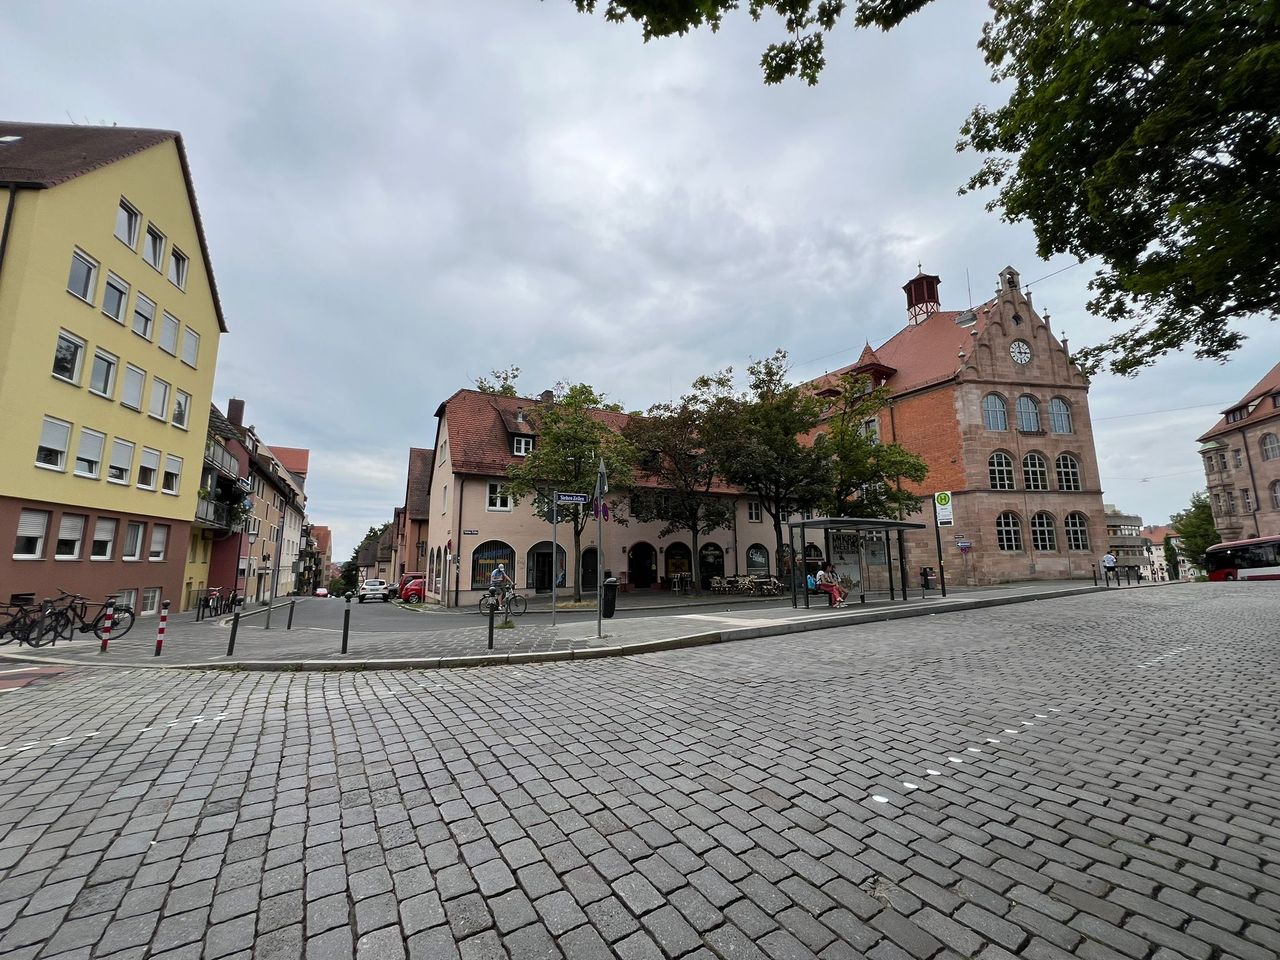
[(164, 623), (106, 624)]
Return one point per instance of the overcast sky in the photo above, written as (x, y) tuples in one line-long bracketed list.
[(401, 195)]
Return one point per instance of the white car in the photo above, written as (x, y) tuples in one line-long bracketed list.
[(374, 590)]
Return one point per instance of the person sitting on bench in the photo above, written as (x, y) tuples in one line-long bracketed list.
[(829, 585)]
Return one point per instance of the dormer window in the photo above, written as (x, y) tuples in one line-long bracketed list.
[(1237, 414), (520, 415), (522, 446)]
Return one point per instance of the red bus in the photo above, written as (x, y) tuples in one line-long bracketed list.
[(1257, 559)]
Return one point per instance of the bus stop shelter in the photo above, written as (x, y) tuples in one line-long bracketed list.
[(854, 534)]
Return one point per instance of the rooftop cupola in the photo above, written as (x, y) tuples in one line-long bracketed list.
[(1010, 279), (922, 296)]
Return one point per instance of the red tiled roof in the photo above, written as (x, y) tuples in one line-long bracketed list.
[(417, 492), (293, 459), (49, 154), (1157, 534), (1267, 386)]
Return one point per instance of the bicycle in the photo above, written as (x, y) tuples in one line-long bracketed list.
[(17, 622), (72, 617), (511, 604)]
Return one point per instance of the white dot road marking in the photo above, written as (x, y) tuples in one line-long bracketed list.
[(955, 759), (910, 786), (1011, 731), (1027, 723), (879, 799), (934, 773), (992, 740), (1041, 716), (1054, 710), (974, 750)]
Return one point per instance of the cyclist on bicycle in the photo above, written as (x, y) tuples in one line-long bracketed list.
[(500, 584)]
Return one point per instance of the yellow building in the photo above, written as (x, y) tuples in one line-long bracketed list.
[(109, 328)]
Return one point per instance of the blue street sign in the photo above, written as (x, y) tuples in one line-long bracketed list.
[(573, 497)]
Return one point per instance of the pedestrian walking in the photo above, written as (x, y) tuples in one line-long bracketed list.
[(1109, 568)]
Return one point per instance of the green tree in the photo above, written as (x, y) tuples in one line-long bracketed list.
[(503, 382), (1171, 557), (679, 472), (758, 439), (866, 475), (350, 579), (1144, 135), (572, 437), (1195, 527)]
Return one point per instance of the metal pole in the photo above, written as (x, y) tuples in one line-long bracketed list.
[(275, 576), (1093, 567), (235, 625), (902, 564), (888, 562), (493, 606), (937, 536), (346, 623), (555, 550), (106, 623), (292, 604), (164, 623), (602, 487)]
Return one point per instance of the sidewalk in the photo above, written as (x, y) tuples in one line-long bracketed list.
[(531, 639)]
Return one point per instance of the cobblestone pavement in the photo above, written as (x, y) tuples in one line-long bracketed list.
[(454, 636), (1093, 777)]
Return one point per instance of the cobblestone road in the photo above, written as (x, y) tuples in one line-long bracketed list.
[(1090, 777)]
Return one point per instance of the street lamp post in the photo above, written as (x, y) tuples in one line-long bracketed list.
[(253, 538), (602, 487)]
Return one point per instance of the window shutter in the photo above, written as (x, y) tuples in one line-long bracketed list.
[(32, 523), (151, 458), (104, 529), (55, 435), (159, 538), (71, 527)]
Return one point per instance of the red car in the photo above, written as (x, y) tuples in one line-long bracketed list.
[(412, 592), (403, 582)]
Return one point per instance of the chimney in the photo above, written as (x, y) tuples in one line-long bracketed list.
[(922, 297), (548, 396), (235, 411)]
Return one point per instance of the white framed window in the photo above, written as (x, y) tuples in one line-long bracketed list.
[(133, 533), (115, 298), (1275, 494), (190, 346), (82, 280), (754, 514), (994, 413), (1077, 527), (128, 219), (871, 429), (169, 329), (522, 446), (1009, 532), (150, 602), (1246, 498), (1035, 472), (33, 527), (1000, 471), (68, 358), (102, 375), (89, 453), (172, 477), (70, 535), (159, 399), (499, 498), (1270, 447), (1028, 414), (1068, 470), (159, 541), (1060, 416), (121, 464), (178, 264), (104, 539), (135, 379), (127, 598), (148, 468), (153, 248), (1044, 533), (181, 409), (144, 316), (1235, 459), (55, 437)]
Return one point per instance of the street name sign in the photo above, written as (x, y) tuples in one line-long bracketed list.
[(573, 497)]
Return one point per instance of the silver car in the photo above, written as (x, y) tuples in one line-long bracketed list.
[(374, 590)]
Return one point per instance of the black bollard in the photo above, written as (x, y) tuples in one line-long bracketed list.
[(1094, 568), (235, 625), (492, 611), (289, 623), (346, 623), (1128, 572)]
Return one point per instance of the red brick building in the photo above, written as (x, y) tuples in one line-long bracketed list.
[(1242, 463), (992, 402)]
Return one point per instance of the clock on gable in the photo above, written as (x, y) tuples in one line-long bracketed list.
[(1020, 351)]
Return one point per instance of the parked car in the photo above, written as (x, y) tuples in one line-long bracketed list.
[(405, 580), (412, 592), (322, 592), (373, 590)]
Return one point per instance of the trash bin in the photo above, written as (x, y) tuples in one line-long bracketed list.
[(610, 599), (926, 578)]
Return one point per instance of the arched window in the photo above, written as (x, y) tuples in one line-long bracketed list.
[(1044, 533), (1275, 494), (485, 559), (994, 413), (1068, 470), (1028, 414), (1270, 447), (1009, 532), (1060, 416), (1000, 469), (1077, 527), (431, 572), (758, 560), (1035, 472)]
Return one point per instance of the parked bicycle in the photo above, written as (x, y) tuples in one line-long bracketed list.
[(69, 615), (19, 621), (510, 604)]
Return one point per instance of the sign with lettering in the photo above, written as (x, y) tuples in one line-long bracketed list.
[(942, 508)]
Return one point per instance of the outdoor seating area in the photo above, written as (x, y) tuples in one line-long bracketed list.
[(749, 585)]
